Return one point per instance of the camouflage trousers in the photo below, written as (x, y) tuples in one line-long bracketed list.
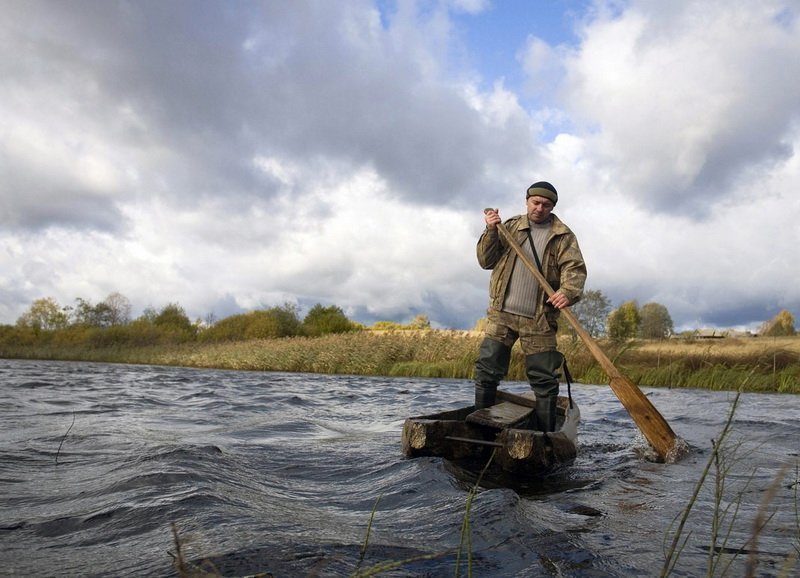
[(542, 363), (507, 328), (542, 359)]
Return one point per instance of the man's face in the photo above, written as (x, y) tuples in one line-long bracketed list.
[(539, 208)]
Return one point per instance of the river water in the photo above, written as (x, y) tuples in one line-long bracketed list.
[(283, 473)]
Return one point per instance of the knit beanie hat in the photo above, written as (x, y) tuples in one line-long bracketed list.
[(543, 189)]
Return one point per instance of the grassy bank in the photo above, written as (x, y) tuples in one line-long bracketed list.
[(760, 364)]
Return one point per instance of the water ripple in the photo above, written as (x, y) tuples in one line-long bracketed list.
[(284, 473)]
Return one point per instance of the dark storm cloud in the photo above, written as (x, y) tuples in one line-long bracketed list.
[(187, 94), (752, 314)]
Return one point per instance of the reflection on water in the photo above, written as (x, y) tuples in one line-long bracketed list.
[(283, 473)]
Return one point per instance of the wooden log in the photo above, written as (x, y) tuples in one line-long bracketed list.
[(423, 437)]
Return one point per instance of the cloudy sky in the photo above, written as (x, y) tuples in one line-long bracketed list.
[(229, 156)]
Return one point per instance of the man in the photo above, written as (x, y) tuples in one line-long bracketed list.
[(519, 308)]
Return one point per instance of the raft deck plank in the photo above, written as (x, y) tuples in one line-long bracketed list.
[(500, 416)]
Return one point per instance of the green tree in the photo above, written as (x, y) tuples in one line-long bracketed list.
[(173, 317), (231, 328), (263, 325), (83, 313), (780, 325), (323, 320), (44, 315), (592, 313), (112, 311), (655, 321), (286, 318), (623, 323)]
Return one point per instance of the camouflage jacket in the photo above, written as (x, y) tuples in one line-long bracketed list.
[(562, 263)]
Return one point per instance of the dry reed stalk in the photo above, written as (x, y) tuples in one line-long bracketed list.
[(679, 541), (65, 437), (761, 520)]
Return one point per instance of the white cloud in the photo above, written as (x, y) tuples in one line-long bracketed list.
[(229, 156), (682, 99), (470, 6), (682, 152)]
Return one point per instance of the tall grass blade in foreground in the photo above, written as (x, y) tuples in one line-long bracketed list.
[(388, 564), (726, 512), (465, 538), (369, 529), (69, 429), (466, 533), (679, 540)]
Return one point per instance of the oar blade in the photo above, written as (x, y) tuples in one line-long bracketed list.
[(650, 422)]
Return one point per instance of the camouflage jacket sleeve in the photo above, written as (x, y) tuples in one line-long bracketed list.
[(569, 275), (490, 248)]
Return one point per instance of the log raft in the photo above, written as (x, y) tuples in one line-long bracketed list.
[(507, 429)]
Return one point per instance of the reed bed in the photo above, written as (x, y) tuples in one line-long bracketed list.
[(762, 364)]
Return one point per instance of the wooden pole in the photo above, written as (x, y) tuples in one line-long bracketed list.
[(651, 423)]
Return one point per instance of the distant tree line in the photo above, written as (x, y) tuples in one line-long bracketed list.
[(650, 321), (628, 321), (109, 323)]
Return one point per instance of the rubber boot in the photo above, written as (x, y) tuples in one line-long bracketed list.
[(484, 396), (542, 371), (546, 413), (490, 368)]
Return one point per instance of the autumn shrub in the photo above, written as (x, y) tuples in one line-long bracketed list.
[(325, 320), (17, 336)]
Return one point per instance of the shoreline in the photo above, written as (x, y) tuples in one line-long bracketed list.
[(752, 364)]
